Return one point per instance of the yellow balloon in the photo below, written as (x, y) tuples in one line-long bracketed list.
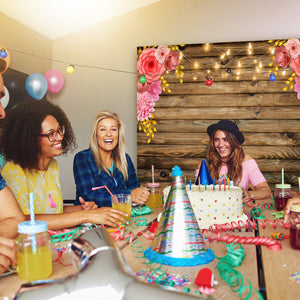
[(70, 69)]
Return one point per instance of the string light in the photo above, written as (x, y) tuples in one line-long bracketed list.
[(196, 65)]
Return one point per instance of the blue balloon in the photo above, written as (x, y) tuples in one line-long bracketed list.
[(36, 85)]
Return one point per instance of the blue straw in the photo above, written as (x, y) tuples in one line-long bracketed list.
[(32, 220)]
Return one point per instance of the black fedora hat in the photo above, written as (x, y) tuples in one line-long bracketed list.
[(229, 126)]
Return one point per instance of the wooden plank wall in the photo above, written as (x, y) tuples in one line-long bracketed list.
[(268, 117)]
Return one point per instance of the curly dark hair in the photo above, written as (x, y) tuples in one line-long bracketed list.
[(19, 138)]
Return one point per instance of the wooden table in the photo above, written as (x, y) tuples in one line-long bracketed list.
[(9, 285), (279, 265)]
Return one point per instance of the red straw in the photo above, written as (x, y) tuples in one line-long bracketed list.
[(104, 186)]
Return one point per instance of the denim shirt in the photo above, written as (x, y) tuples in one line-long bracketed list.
[(87, 175)]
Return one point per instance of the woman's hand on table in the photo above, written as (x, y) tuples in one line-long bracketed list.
[(8, 254), (291, 201), (87, 205), (139, 195), (106, 216)]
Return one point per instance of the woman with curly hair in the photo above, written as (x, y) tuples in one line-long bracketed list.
[(33, 134), (226, 156), (106, 163)]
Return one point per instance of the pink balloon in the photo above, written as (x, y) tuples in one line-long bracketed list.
[(55, 81)]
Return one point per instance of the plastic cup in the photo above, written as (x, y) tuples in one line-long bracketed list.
[(123, 205)]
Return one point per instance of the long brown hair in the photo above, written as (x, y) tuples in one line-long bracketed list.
[(234, 163)]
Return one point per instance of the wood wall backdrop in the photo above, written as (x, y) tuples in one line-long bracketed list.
[(268, 117)]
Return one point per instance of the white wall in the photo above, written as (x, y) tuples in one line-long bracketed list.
[(113, 45)]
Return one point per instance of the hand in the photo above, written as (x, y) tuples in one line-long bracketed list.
[(8, 254), (291, 201), (140, 195), (87, 205), (107, 216), (246, 194)]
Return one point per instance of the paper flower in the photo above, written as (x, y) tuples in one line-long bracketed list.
[(149, 66), (154, 89), (161, 53), (282, 57), (145, 106), (297, 87), (295, 65), (172, 60), (293, 47)]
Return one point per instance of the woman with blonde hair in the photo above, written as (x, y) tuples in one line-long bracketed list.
[(106, 163), (226, 156)]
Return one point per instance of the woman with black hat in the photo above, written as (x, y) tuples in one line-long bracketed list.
[(226, 156)]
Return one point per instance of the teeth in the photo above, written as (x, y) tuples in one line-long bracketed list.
[(108, 141)]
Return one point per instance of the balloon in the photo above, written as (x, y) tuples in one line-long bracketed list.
[(36, 85), (4, 59), (5, 98), (55, 81)]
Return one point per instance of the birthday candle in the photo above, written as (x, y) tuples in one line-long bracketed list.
[(224, 181), (214, 183), (199, 182), (205, 185), (219, 185), (185, 181), (228, 183), (190, 184)]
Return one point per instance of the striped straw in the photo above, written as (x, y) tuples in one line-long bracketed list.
[(105, 187), (32, 219)]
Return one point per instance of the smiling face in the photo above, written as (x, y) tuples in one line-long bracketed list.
[(222, 145), (107, 134), (50, 149)]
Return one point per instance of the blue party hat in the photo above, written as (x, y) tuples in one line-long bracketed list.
[(205, 177)]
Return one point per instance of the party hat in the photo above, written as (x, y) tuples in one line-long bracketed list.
[(178, 240), (204, 175)]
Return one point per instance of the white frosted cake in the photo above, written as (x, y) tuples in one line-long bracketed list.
[(214, 206)]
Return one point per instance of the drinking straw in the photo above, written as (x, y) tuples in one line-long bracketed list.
[(104, 186), (152, 173), (32, 220), (282, 181)]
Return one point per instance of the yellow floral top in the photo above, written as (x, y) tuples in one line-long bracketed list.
[(42, 184)]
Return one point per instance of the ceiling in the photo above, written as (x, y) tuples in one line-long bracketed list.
[(56, 18)]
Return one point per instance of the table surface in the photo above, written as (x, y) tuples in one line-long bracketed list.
[(277, 265)]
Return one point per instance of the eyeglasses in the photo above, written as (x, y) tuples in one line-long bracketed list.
[(52, 135)]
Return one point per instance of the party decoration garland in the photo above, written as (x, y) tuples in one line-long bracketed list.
[(152, 63)]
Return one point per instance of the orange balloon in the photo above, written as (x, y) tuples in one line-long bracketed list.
[(4, 59)]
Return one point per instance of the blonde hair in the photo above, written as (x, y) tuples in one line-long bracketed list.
[(119, 154), (234, 163)]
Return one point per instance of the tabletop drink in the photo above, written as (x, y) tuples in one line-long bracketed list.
[(282, 193), (155, 197), (294, 219), (34, 251), (123, 204)]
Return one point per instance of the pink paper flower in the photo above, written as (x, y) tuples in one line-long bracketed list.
[(154, 89), (141, 87), (297, 86), (295, 65), (145, 106), (149, 66), (172, 60), (282, 57), (293, 47), (161, 53)]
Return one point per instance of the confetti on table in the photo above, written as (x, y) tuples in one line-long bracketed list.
[(295, 277)]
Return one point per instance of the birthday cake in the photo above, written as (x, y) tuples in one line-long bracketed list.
[(214, 206)]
